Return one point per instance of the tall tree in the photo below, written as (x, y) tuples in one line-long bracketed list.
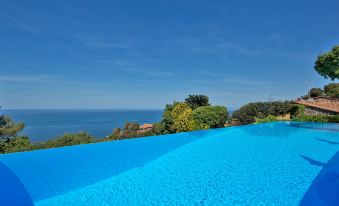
[(315, 92), (327, 64), (183, 120), (195, 101), (332, 90), (8, 128)]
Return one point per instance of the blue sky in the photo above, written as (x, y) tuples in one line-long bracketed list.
[(144, 54)]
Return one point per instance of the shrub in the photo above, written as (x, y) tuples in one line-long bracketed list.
[(297, 110), (8, 128), (332, 90), (195, 101), (68, 140), (269, 118), (184, 122), (182, 118), (316, 92), (247, 113), (17, 144), (159, 128), (10, 141), (210, 117), (167, 119)]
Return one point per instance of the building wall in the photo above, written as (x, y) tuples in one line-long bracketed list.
[(311, 111)]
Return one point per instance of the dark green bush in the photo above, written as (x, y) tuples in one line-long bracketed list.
[(297, 110), (17, 144), (332, 90), (195, 101), (247, 113), (269, 118), (210, 117), (68, 140), (316, 92)]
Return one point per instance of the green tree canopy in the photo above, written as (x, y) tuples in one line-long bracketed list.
[(247, 113), (332, 90), (165, 126), (183, 120), (210, 117), (195, 101), (68, 139), (17, 144), (8, 128), (315, 92), (327, 64)]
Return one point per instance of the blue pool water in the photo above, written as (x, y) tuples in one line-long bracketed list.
[(267, 164)]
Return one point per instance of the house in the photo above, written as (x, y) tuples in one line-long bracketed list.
[(320, 106), (145, 127)]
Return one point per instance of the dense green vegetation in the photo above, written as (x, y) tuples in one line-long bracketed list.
[(269, 118), (247, 113), (195, 101), (316, 92), (67, 139), (207, 117), (10, 141), (194, 113), (130, 130), (330, 90), (327, 64)]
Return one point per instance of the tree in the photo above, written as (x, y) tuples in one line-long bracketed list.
[(182, 118), (332, 90), (18, 144), (315, 92), (166, 124), (195, 101), (327, 64), (68, 140), (207, 117), (116, 135), (9, 129), (159, 128), (131, 127), (247, 113), (184, 122)]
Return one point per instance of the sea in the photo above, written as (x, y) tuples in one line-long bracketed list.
[(42, 124)]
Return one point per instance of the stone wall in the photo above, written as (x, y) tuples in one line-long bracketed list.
[(312, 111)]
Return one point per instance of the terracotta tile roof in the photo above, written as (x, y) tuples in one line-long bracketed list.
[(332, 106), (146, 126)]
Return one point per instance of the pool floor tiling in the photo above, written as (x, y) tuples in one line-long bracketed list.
[(264, 164)]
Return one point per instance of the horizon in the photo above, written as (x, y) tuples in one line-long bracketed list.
[(112, 109), (140, 56)]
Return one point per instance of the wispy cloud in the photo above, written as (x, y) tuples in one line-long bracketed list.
[(155, 73), (27, 78), (19, 24), (216, 46), (96, 41)]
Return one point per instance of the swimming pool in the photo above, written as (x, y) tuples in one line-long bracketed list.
[(266, 164)]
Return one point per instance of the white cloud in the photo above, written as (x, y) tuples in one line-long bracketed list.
[(26, 78)]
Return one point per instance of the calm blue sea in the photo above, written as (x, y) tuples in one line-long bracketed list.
[(46, 124)]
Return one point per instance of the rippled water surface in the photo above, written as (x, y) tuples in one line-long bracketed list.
[(265, 164)]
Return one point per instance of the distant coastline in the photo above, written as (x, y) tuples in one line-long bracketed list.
[(44, 124)]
